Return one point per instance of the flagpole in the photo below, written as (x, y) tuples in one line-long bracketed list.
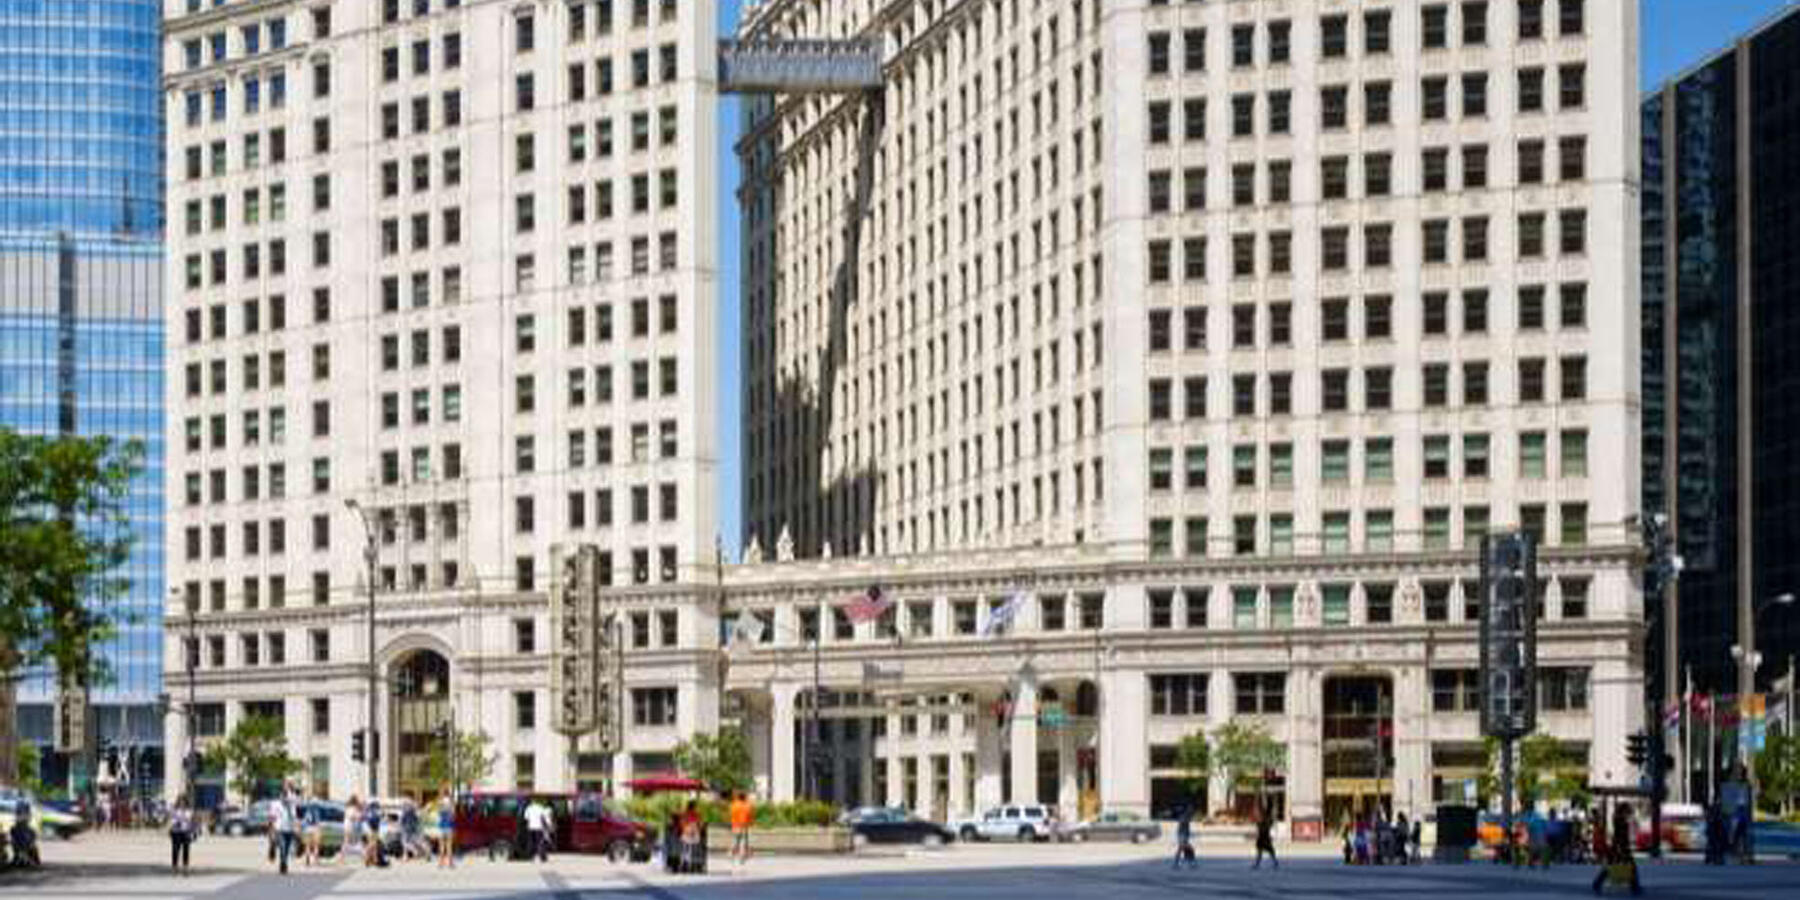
[(1712, 751), (1687, 734)]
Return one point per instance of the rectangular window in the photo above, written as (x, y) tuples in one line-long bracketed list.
[(1260, 693)]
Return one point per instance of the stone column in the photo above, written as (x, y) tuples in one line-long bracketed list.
[(1024, 743), (987, 756), (896, 778), (959, 776), (175, 778), (1220, 703), (1412, 742), (1124, 743), (621, 773), (1068, 784), (866, 772), (1306, 763), (781, 743), (759, 735)]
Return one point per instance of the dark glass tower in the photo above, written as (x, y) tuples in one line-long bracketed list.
[(81, 346), (1721, 289)]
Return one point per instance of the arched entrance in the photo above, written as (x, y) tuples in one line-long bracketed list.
[(421, 707), (1359, 747)]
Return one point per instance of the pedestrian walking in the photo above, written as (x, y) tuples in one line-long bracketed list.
[(412, 833), (1265, 837), (311, 832), (371, 824), (282, 828), (1537, 841), (1360, 841), (1184, 841), (1617, 865), (352, 829), (181, 839), (743, 816), (1418, 843), (1402, 838), (691, 838), (538, 826), (446, 823)]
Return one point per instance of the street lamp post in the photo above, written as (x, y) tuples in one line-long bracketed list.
[(1748, 659), (369, 558)]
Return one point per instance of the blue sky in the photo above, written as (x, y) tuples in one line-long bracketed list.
[(1674, 35)]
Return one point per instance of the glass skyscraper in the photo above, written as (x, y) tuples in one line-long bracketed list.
[(1721, 289), (81, 345)]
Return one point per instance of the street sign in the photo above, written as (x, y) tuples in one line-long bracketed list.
[(1508, 635)]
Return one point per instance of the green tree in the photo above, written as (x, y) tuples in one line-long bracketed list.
[(1543, 769), (255, 756), (1193, 756), (64, 534), (471, 763), (1778, 771), (30, 769), (721, 760), (1242, 752)]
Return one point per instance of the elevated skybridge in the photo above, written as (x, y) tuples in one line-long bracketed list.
[(801, 66)]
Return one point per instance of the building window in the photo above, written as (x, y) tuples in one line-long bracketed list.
[(1178, 695), (524, 710), (1562, 689), (653, 707), (1455, 690), (1260, 693)]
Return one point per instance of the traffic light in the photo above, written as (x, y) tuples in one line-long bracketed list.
[(1637, 748), (358, 746)]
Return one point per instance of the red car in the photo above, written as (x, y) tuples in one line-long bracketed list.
[(495, 822)]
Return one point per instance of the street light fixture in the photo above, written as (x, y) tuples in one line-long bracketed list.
[(369, 558), (1748, 659)]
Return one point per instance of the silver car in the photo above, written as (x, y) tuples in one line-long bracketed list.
[(1117, 826)]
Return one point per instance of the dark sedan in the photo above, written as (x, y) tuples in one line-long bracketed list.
[(891, 826)]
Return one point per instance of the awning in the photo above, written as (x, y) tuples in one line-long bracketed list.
[(664, 783)]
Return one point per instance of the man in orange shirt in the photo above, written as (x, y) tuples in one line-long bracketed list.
[(743, 815)]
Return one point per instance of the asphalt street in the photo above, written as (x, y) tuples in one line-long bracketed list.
[(128, 868)]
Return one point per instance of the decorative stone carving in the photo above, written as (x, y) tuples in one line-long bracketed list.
[(784, 546), (1412, 601), (753, 553), (1306, 605)]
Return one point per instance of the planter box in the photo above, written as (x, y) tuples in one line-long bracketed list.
[(782, 840)]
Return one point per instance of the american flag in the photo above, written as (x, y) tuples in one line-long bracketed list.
[(868, 607)]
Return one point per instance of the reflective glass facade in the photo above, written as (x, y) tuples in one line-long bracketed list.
[(81, 346), (80, 117), (1724, 116)]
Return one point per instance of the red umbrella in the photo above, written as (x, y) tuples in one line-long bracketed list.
[(657, 784)]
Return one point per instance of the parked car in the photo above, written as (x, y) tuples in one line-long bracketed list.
[(331, 824), (1007, 823), (880, 825), (850, 815), (495, 822), (1116, 826), (238, 821)]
